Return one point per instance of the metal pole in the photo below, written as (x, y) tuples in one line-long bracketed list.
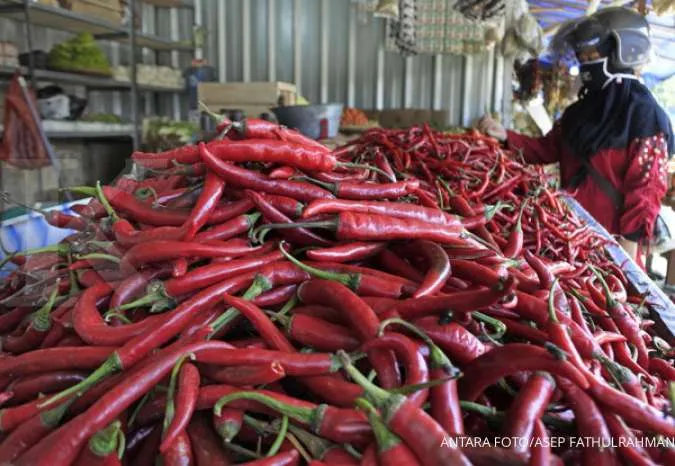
[(134, 83), (29, 42)]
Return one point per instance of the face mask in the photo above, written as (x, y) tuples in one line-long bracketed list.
[(594, 74)]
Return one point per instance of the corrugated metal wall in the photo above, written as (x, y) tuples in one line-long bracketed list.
[(333, 51), (336, 53)]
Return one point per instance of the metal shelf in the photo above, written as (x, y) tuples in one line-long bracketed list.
[(170, 3), (86, 135), (91, 82), (64, 20)]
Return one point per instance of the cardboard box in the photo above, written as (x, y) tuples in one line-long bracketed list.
[(240, 95), (107, 10)]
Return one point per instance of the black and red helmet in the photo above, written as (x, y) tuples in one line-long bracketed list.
[(619, 33)]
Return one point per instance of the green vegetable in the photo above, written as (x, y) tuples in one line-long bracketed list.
[(81, 53)]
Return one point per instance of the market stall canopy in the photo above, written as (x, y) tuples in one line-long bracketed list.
[(550, 13)]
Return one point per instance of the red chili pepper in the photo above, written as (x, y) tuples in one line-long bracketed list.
[(91, 327), (459, 302), (133, 286), (395, 264), (206, 447), (228, 423), (206, 204), (636, 413), (320, 334), (276, 297), (30, 432), (40, 324), (338, 425), (247, 179), (262, 374), (104, 448), (184, 405), (590, 423), (415, 367), (460, 344), (212, 274), (626, 323), (53, 359), (282, 173), (662, 368), (28, 388), (628, 444), (296, 235), (391, 451), (393, 209), (358, 314), (511, 358), (346, 252), (416, 428), (439, 268), (287, 458), (368, 191), (527, 408), (230, 229), (179, 452), (61, 220), (540, 453), (158, 251)]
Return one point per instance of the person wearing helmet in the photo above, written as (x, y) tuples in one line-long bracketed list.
[(614, 142)]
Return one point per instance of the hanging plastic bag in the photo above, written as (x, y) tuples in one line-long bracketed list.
[(387, 9), (23, 143)]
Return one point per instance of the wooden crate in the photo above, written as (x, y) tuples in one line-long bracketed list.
[(257, 95)]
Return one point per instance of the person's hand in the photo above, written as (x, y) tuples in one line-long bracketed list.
[(492, 128)]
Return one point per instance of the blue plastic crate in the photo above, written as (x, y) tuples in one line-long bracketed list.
[(32, 231)]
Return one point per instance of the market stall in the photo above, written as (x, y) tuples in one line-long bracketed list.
[(308, 274)]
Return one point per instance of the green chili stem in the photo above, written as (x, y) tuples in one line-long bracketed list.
[(283, 430), (97, 255), (304, 415), (260, 285), (377, 395), (350, 280), (169, 410), (109, 367), (367, 167), (104, 200)]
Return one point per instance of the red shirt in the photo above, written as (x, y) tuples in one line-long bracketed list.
[(639, 172)]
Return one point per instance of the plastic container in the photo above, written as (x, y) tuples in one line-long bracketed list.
[(32, 231), (314, 121)]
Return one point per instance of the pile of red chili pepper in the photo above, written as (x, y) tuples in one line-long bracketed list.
[(411, 298)]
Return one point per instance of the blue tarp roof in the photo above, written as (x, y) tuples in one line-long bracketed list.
[(552, 12)]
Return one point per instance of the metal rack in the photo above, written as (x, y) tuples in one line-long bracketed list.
[(37, 14)]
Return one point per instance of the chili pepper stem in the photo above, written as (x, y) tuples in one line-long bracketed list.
[(350, 280), (498, 326), (366, 167), (109, 367), (283, 430), (170, 406), (437, 357), (100, 256), (260, 285), (376, 395), (110, 315), (304, 415), (153, 298), (104, 200), (262, 231), (106, 440)]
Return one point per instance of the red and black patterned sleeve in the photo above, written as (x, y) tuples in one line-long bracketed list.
[(645, 184), (543, 150)]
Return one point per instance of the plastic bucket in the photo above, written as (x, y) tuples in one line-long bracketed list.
[(314, 121)]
